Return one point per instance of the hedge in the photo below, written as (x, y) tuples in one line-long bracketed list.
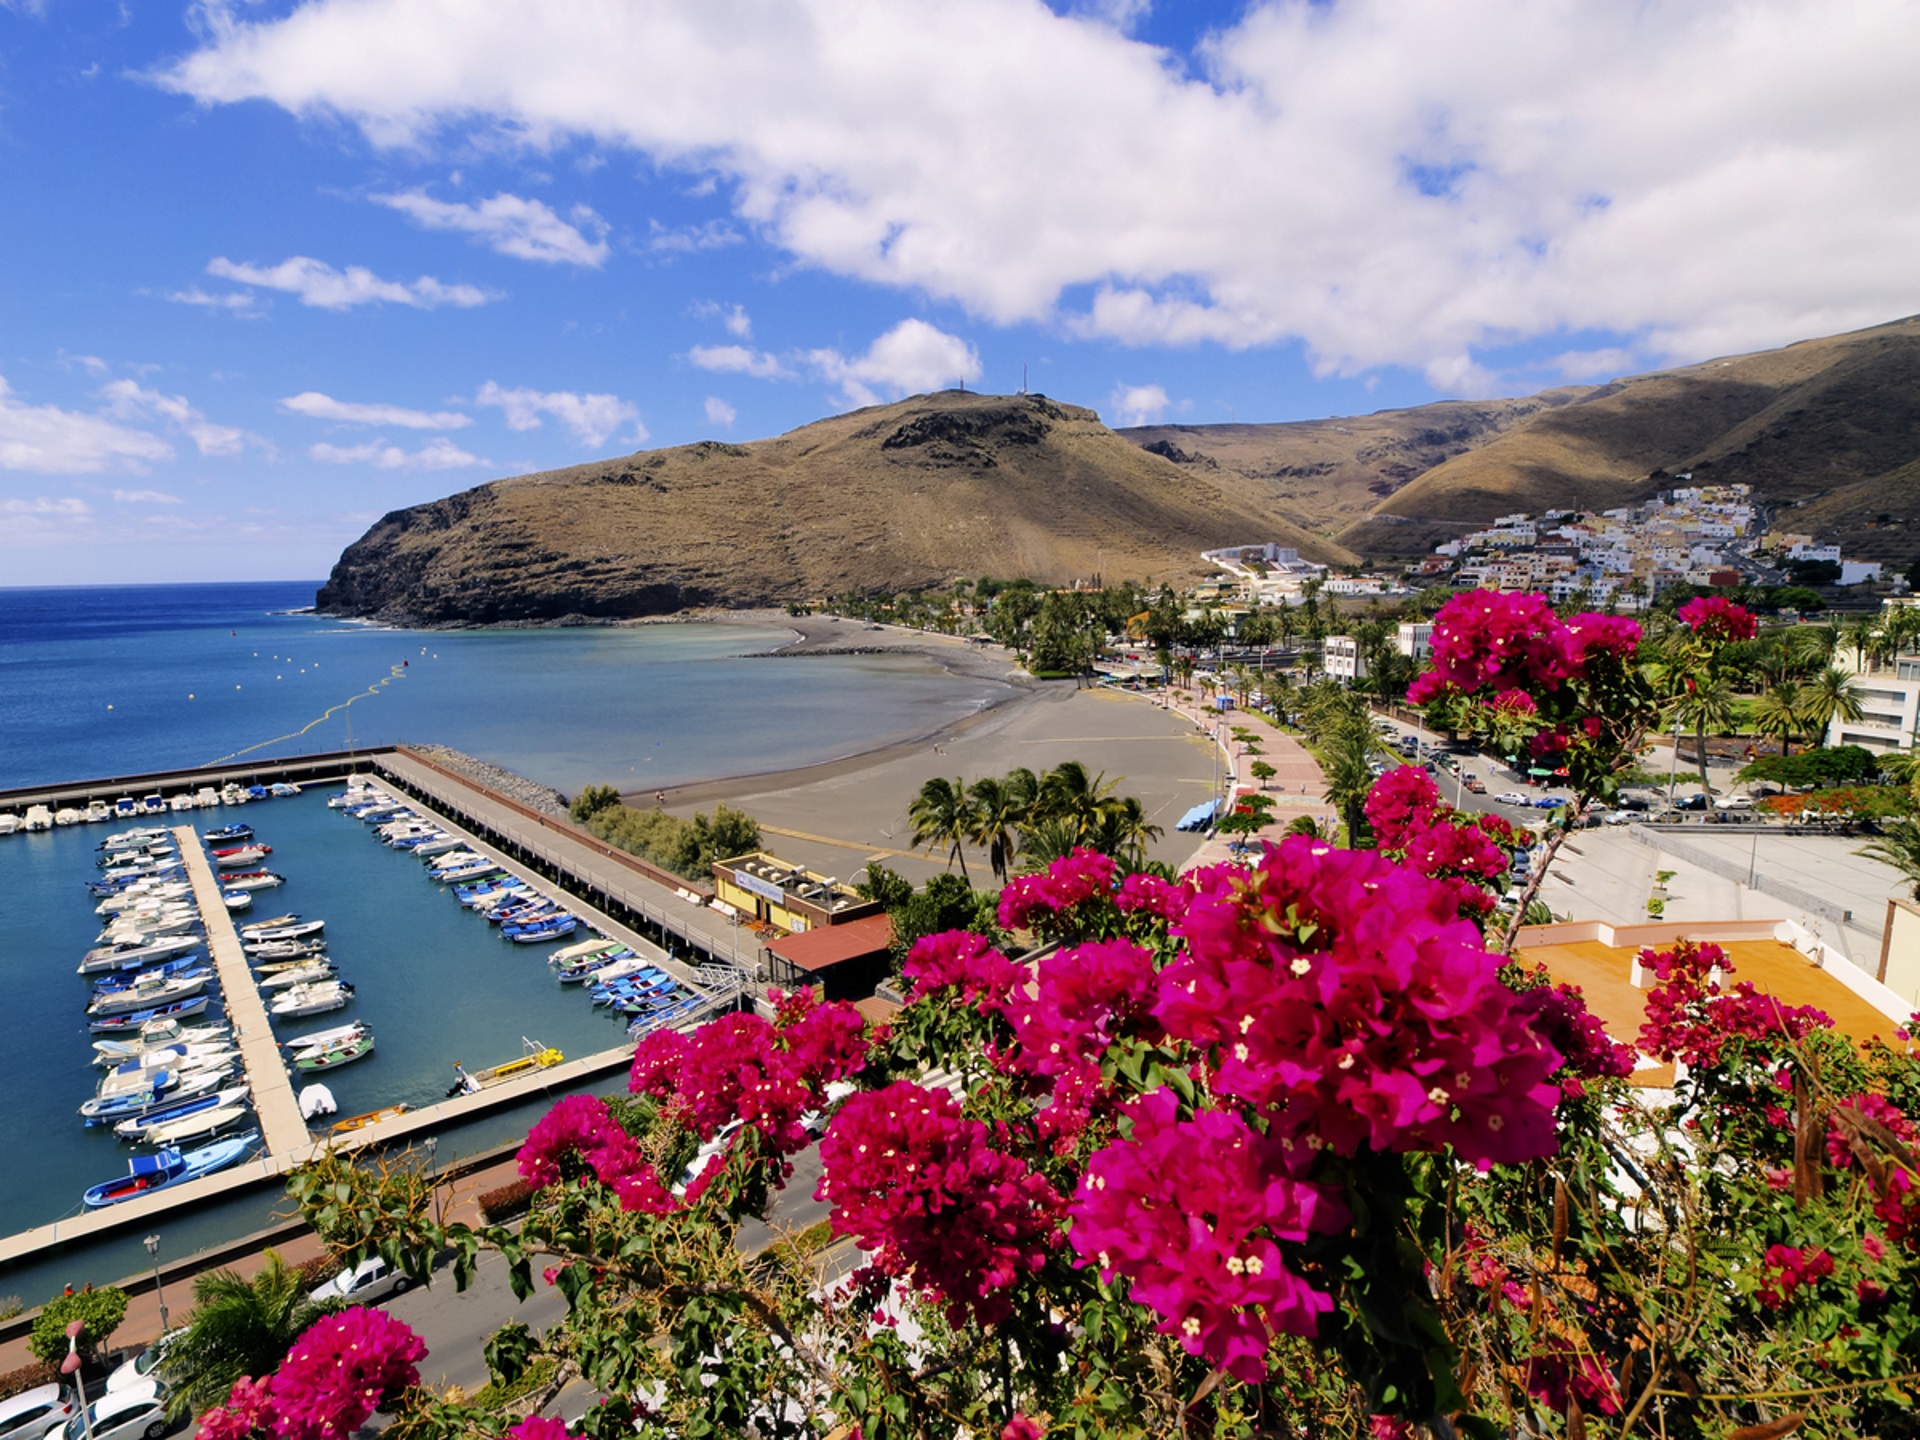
[(27, 1377), (508, 1201)]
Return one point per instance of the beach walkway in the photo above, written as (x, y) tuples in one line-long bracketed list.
[(1297, 787), (282, 1129)]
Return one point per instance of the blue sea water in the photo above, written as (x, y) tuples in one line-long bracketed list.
[(99, 682), (124, 679)]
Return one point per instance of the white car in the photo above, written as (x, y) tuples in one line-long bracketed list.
[(143, 1365), (1513, 797), (365, 1283), (1734, 802), (32, 1413), (135, 1411)]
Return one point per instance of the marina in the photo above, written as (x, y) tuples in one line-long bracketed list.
[(664, 928)]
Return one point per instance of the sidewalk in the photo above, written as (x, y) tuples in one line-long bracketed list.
[(1297, 786)]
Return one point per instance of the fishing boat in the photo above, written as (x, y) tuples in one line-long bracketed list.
[(320, 1039), (312, 999), (371, 1117), (148, 1173), (124, 1024), (537, 1057), (265, 934), (138, 1128), (228, 834), (252, 880), (332, 1057), (552, 928)]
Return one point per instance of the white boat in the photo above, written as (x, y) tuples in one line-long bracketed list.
[(580, 948), (309, 973), (140, 1127), (39, 817), (67, 815), (155, 1035), (284, 949), (142, 835), (98, 810), (321, 1039), (132, 957), (234, 795), (353, 796), (206, 797), (237, 900), (183, 801), (197, 1126), (9, 823), (148, 995), (315, 1101), (152, 894), (314, 999), (252, 880), (241, 856), (213, 1050), (268, 934)]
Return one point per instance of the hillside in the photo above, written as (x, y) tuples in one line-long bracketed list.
[(892, 497), (1826, 431)]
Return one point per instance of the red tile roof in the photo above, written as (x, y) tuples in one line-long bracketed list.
[(832, 945)]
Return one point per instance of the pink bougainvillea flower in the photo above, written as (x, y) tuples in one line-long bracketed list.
[(1716, 619)]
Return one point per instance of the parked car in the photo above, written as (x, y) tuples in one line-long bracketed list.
[(133, 1411), (147, 1362), (363, 1284), (32, 1413), (1513, 797), (1691, 802), (1474, 783), (1734, 802)]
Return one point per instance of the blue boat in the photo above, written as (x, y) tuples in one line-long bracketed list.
[(552, 929), (127, 979), (148, 1173), (227, 834)]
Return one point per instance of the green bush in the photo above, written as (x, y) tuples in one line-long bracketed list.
[(686, 847), (592, 800), (506, 1202), (99, 1311)]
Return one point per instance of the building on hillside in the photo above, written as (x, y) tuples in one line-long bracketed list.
[(763, 887), (1414, 639), (1889, 698), (1342, 659)]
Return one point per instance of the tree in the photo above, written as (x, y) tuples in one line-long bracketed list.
[(238, 1327), (725, 834), (999, 810), (592, 800), (1263, 772), (1123, 830), (889, 887), (1069, 794), (1779, 713), (945, 903), (1898, 845), (1704, 706), (1831, 695), (99, 1313), (942, 815)]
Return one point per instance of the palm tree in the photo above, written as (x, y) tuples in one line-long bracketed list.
[(1124, 831), (1780, 713), (1898, 845), (238, 1327), (1048, 839), (999, 810), (1704, 706), (1830, 695), (1068, 793), (1344, 755), (1813, 645), (941, 815)]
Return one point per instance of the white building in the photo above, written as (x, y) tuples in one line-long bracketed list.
[(1889, 704), (1342, 660), (1414, 639)]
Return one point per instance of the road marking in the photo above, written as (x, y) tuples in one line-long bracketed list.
[(843, 844)]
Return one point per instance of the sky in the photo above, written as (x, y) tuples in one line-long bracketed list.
[(270, 270)]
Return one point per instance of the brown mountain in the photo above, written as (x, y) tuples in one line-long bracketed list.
[(1827, 432), (893, 497)]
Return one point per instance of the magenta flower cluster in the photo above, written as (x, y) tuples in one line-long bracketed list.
[(1189, 1212), (962, 967), (1716, 620), (1692, 1017), (1086, 998), (1466, 853), (1512, 647), (1786, 1270), (582, 1125), (926, 1191), (337, 1374), (1034, 901)]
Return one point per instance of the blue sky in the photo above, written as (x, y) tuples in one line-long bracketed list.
[(269, 270)]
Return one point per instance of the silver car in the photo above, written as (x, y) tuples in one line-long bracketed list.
[(137, 1412), (363, 1284), (33, 1413)]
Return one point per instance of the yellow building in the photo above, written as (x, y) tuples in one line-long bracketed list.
[(764, 887)]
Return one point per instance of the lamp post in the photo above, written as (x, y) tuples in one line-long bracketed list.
[(152, 1242), (1673, 763), (71, 1366)]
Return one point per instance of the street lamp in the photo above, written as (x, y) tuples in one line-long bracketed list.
[(71, 1366), (152, 1242), (1673, 764)]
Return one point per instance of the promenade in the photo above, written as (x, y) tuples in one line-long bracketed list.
[(1297, 787)]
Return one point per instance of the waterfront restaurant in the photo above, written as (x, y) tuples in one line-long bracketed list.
[(764, 887)]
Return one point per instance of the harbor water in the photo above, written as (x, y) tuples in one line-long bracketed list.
[(102, 682)]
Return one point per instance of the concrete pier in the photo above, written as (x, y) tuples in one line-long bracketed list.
[(282, 1128)]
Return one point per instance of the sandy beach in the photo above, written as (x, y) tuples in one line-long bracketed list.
[(834, 817)]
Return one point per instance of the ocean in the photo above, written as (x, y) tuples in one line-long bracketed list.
[(99, 682)]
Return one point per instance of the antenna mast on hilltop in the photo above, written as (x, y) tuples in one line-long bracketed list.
[(1023, 379)]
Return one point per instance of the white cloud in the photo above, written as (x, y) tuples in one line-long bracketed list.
[(42, 506), (720, 413), (315, 406), (739, 360), (1137, 405), (913, 356), (145, 497), (592, 419), (52, 441), (243, 303), (514, 226), (439, 453), (689, 239), (129, 400), (1389, 184), (319, 284)]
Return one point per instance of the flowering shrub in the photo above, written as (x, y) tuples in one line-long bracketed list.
[(337, 1374), (1716, 619), (1693, 1018)]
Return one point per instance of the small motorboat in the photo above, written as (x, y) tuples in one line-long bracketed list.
[(371, 1117), (157, 1036), (284, 949), (125, 1024), (148, 995), (552, 928), (332, 1057), (313, 999), (265, 934), (270, 923), (320, 1039), (251, 880), (148, 1173), (139, 1129), (167, 1088), (201, 1125), (316, 1100), (228, 834), (304, 972), (537, 1057), (236, 900), (133, 957), (119, 981), (145, 835), (241, 856)]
